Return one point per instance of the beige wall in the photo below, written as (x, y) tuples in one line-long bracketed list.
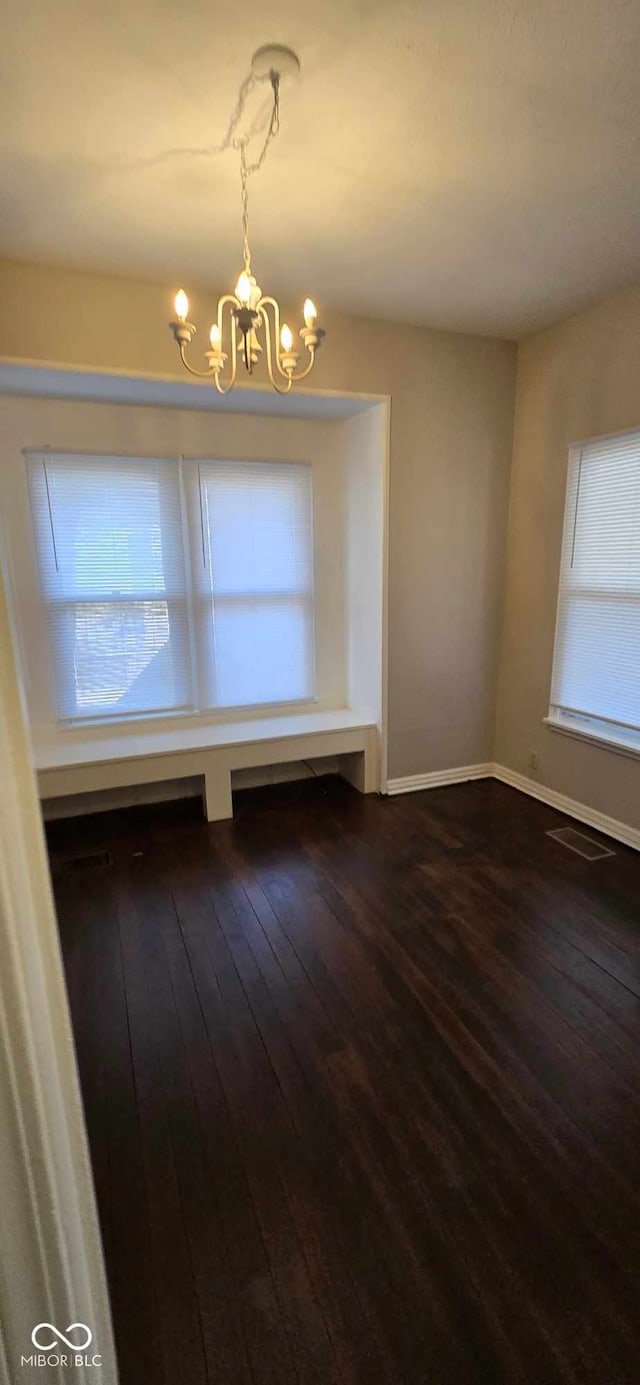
[(577, 380), (451, 433)]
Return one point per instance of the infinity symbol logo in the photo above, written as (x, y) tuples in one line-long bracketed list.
[(60, 1336)]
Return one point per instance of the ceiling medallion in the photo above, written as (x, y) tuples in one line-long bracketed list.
[(247, 314)]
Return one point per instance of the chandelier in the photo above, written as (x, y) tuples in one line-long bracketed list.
[(247, 315)]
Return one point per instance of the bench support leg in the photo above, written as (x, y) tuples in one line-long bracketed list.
[(359, 768), (217, 801)]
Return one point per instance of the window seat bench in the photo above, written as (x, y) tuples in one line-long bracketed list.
[(76, 764)]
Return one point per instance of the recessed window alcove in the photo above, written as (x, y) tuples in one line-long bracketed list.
[(344, 440)]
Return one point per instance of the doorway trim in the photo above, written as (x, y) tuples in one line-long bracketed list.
[(51, 1269)]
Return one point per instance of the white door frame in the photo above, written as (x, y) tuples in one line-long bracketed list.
[(51, 1265)]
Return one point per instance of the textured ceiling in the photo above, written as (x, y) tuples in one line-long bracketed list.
[(471, 164)]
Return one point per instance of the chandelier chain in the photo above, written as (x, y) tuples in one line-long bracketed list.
[(247, 169)]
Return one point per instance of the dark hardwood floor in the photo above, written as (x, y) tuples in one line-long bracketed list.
[(362, 1088)]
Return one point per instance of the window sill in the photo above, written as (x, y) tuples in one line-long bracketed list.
[(576, 730), (136, 722)]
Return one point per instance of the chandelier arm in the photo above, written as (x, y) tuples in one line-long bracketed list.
[(267, 327), (222, 386), (202, 374), (226, 298), (273, 303), (224, 389), (234, 347), (302, 375)]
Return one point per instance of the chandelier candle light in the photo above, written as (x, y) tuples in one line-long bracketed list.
[(244, 314)]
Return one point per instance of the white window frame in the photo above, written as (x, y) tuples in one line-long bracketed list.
[(200, 546), (579, 725), (37, 459), (194, 538)]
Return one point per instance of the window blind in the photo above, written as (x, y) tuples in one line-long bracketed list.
[(596, 666), (255, 592), (109, 537)]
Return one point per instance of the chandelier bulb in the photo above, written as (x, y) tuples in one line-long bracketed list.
[(309, 312), (181, 305), (214, 335), (243, 289), (286, 337)]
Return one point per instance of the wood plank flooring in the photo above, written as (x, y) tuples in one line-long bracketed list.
[(362, 1087)]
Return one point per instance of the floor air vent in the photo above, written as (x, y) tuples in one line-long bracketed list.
[(88, 860), (583, 846)]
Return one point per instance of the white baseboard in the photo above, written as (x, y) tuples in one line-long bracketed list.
[(412, 782), (611, 827)]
